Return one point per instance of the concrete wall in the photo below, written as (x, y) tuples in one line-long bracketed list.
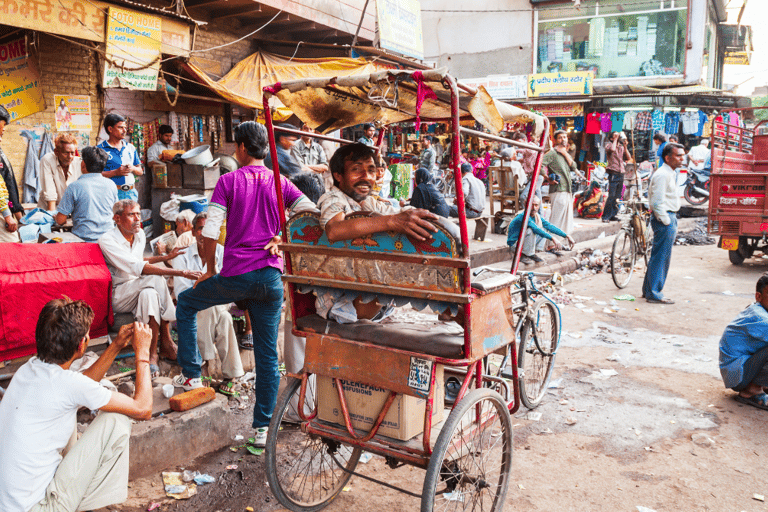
[(474, 45)]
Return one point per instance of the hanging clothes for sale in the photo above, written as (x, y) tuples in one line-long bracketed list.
[(617, 121), (629, 120), (671, 123), (657, 120), (173, 122), (593, 123), (605, 123), (643, 121), (578, 124), (703, 122)]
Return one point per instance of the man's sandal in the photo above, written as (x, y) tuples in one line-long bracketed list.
[(759, 400), (228, 388)]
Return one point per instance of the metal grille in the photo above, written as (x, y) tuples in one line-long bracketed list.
[(729, 227)]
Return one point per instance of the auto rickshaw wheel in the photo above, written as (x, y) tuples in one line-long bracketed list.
[(304, 471), (472, 458)]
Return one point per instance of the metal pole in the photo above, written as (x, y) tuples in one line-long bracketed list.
[(496, 138), (529, 200)]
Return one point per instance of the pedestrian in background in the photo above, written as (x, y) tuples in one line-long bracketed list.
[(559, 165), (618, 155), (664, 202)]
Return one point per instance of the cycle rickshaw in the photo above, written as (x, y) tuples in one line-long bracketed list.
[(467, 456)]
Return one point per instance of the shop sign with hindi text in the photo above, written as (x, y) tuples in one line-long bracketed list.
[(398, 27), (559, 109), (133, 49), (20, 90), (569, 83), (501, 87)]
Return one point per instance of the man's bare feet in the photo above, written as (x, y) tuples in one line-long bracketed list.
[(168, 349), (751, 390)]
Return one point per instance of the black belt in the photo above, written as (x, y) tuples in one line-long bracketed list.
[(125, 187)]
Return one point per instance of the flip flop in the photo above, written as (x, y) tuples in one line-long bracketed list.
[(246, 342), (228, 388), (759, 400), (154, 371)]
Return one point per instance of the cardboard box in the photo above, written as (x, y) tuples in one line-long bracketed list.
[(199, 176), (404, 420), (173, 175)]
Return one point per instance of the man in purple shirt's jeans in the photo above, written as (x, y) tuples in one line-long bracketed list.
[(251, 270)]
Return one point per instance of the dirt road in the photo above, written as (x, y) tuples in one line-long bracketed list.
[(662, 433)]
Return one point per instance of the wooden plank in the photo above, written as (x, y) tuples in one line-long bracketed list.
[(379, 289), (437, 261), (185, 105), (333, 357)]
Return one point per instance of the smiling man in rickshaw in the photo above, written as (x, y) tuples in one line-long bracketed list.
[(353, 169)]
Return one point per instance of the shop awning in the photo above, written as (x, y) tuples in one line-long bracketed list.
[(394, 96), (244, 82)]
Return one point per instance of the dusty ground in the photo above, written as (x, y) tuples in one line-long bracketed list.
[(662, 434)]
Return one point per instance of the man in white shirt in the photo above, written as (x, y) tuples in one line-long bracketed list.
[(155, 151), (697, 156), (44, 466), (58, 170), (664, 201), (215, 330), (474, 194), (138, 286), (311, 155)]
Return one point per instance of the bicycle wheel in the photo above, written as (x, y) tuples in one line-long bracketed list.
[(302, 469), (623, 257), (539, 339), (472, 459)]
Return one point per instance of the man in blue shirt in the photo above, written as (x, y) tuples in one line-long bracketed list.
[(124, 163), (90, 198), (744, 351)]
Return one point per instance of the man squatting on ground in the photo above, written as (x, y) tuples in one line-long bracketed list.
[(138, 286), (744, 350), (251, 270), (45, 468), (538, 231)]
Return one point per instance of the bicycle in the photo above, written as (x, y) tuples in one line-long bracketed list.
[(635, 239), (537, 331)]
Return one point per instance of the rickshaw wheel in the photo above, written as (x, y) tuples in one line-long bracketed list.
[(471, 462), (535, 362), (304, 471)]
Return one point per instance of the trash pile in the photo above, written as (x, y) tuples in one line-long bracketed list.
[(696, 236)]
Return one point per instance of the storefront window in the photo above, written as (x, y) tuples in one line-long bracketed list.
[(613, 39)]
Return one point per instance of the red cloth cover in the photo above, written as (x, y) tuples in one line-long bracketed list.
[(33, 274)]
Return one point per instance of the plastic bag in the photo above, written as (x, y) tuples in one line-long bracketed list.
[(37, 216), (170, 209)]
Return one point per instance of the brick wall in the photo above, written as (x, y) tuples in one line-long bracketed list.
[(64, 68), (222, 32)]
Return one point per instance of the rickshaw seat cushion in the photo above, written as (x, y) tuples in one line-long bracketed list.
[(487, 283), (394, 335)]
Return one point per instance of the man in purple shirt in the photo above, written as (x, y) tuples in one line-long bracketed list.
[(251, 270)]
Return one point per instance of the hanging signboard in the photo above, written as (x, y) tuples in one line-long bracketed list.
[(83, 19), (73, 113), (559, 109), (398, 27), (501, 87), (570, 83), (20, 90), (133, 50)]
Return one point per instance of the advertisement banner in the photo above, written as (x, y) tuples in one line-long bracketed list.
[(570, 83), (83, 20), (73, 113), (20, 90), (559, 109), (398, 27), (501, 87), (133, 50)]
